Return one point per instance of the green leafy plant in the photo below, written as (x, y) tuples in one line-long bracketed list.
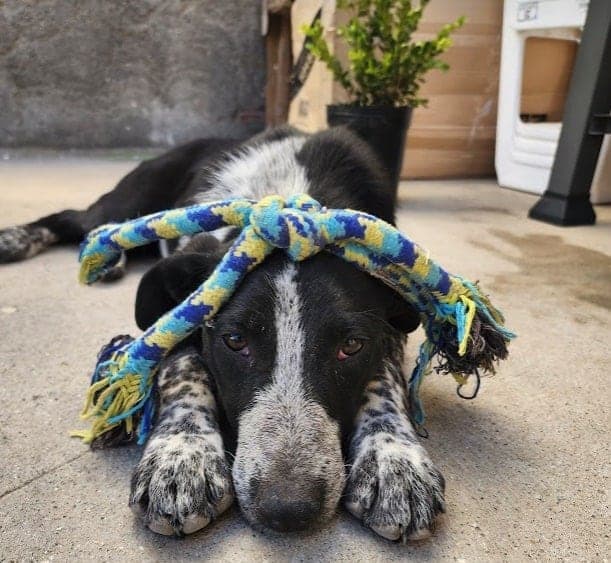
[(386, 67)]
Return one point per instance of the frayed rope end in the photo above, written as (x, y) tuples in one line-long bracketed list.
[(115, 403), (94, 265), (471, 339)]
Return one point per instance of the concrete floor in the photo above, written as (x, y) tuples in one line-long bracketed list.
[(526, 463)]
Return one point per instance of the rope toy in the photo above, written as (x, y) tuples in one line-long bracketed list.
[(464, 330)]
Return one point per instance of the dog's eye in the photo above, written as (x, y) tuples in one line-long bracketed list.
[(236, 342), (350, 347)]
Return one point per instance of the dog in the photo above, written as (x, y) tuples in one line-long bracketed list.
[(294, 397)]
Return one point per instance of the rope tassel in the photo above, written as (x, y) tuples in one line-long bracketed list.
[(465, 332)]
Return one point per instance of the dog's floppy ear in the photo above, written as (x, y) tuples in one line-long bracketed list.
[(402, 316), (169, 282)]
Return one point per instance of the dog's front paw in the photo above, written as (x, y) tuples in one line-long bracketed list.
[(180, 484), (395, 489)]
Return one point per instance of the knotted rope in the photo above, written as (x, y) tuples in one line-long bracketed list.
[(464, 331)]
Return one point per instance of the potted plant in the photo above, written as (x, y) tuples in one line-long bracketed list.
[(384, 72)]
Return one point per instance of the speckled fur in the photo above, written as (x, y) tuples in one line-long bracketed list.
[(183, 480), (19, 243), (393, 486)]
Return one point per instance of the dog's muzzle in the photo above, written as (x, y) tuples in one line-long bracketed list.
[(288, 471)]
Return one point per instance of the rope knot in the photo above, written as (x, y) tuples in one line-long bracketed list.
[(295, 225)]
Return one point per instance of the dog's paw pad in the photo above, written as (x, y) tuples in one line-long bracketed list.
[(396, 491), (180, 490)]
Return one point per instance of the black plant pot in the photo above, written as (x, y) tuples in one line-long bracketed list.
[(383, 127)]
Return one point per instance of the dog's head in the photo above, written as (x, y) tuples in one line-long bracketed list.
[(291, 354)]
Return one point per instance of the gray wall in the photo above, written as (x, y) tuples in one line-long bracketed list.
[(112, 73)]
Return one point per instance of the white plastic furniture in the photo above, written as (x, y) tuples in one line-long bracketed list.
[(525, 151)]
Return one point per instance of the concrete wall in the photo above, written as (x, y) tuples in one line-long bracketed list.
[(113, 73)]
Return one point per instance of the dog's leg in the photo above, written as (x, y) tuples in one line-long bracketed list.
[(183, 481), (19, 243), (393, 486), (154, 185)]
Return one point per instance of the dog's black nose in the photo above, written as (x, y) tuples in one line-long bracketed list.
[(290, 508)]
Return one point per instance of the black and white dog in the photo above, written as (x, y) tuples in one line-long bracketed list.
[(300, 376)]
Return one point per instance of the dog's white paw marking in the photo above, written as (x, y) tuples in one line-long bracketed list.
[(394, 489), (180, 485)]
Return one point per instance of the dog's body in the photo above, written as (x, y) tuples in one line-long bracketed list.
[(300, 373)]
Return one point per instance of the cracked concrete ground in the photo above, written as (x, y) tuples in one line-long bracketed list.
[(526, 463)]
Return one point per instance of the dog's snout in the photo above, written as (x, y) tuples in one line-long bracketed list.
[(290, 507), (288, 470)]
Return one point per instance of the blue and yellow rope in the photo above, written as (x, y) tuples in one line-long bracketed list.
[(463, 328)]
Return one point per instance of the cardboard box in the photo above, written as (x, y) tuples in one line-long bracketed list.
[(548, 65), (454, 135)]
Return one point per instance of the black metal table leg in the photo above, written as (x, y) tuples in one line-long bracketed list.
[(586, 117)]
